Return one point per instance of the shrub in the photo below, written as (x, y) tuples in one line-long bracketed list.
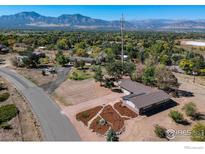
[(190, 109), (7, 112), (160, 131), (4, 96), (198, 132), (112, 136), (5, 125), (85, 115), (148, 76), (176, 116)]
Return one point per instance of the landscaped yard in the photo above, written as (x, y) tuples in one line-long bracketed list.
[(100, 119), (87, 115), (124, 111)]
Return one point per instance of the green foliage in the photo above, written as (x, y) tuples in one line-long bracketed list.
[(176, 116), (190, 109), (165, 59), (160, 131), (95, 51), (176, 58), (80, 74), (165, 79), (81, 52), (85, 115), (44, 60), (186, 65), (7, 112), (98, 74), (128, 68), (112, 136), (202, 71), (198, 132), (62, 44), (148, 76), (61, 59), (4, 96), (81, 45), (81, 64), (109, 83), (5, 125), (115, 69)]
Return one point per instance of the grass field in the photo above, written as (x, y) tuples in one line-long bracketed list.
[(78, 74)]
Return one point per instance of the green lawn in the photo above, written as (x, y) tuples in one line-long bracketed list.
[(78, 74)]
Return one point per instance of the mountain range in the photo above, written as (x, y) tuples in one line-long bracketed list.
[(33, 20)]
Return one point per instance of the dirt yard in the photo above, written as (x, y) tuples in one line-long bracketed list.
[(74, 92), (24, 125), (36, 76)]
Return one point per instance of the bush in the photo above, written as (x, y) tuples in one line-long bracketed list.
[(112, 136), (7, 112), (4, 96), (176, 116), (85, 115), (5, 125), (148, 76), (190, 109), (160, 131), (198, 132)]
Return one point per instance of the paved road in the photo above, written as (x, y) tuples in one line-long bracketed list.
[(55, 126), (62, 76)]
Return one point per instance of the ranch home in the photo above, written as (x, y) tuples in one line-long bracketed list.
[(141, 98)]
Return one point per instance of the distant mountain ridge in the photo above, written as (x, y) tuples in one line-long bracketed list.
[(78, 21)]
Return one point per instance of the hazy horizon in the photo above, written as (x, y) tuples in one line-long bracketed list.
[(109, 12)]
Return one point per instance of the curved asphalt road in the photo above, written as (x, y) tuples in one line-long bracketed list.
[(55, 126)]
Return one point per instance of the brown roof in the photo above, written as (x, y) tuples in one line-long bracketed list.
[(142, 101), (135, 87)]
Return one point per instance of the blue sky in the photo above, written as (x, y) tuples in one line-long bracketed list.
[(110, 12)]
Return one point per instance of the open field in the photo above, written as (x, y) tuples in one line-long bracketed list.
[(74, 92), (197, 49), (24, 126), (190, 79)]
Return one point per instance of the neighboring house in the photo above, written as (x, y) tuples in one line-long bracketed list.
[(85, 59), (4, 49), (141, 98)]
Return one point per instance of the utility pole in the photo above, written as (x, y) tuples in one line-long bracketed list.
[(122, 39)]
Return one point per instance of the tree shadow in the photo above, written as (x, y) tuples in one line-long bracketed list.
[(159, 108), (198, 116), (116, 89), (183, 93), (184, 122)]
